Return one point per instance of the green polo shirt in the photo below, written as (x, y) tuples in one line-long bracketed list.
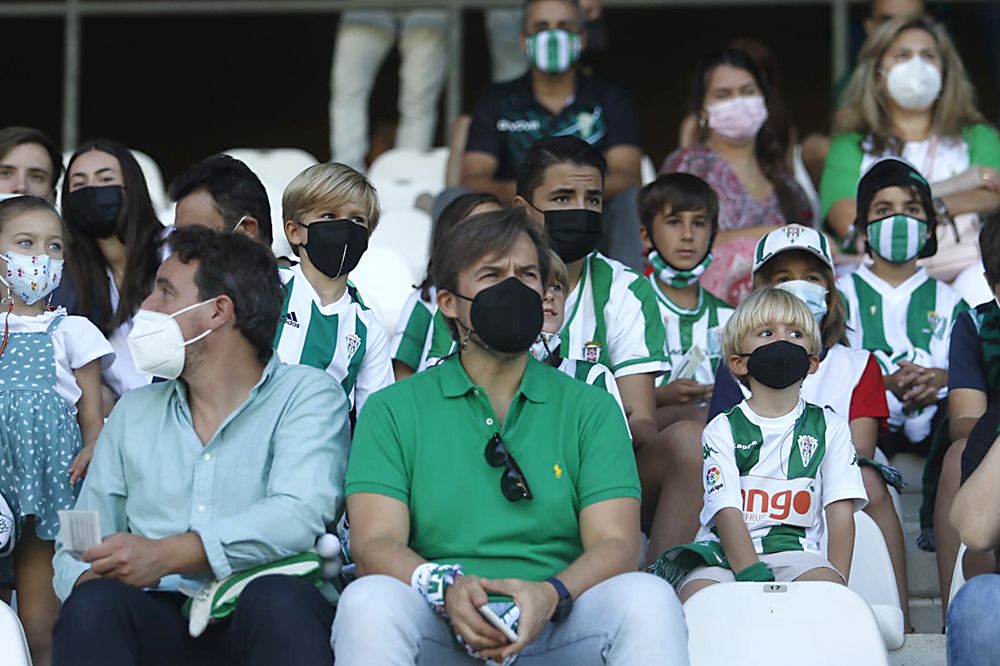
[(422, 441)]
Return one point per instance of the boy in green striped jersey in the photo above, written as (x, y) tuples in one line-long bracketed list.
[(680, 216), (329, 212), (895, 309), (778, 471), (612, 316)]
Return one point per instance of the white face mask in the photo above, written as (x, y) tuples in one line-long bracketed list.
[(810, 293), (31, 277), (914, 84), (157, 343)]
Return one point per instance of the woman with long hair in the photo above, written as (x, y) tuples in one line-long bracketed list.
[(910, 97), (741, 156), (117, 242)]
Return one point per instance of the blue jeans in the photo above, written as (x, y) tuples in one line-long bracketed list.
[(629, 620), (973, 639)]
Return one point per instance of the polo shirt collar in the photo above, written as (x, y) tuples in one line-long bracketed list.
[(455, 381)]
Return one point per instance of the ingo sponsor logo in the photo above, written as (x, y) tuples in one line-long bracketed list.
[(782, 506), (713, 479)]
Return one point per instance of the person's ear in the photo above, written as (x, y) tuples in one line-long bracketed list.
[(250, 227), (869, 25), (813, 363), (293, 232), (223, 311), (520, 202), (447, 304), (647, 242), (738, 365)]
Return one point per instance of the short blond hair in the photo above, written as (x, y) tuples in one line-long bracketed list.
[(558, 273), (329, 184), (764, 306)]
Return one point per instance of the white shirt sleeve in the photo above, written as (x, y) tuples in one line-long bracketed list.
[(840, 473), (720, 476), (75, 343), (376, 369)]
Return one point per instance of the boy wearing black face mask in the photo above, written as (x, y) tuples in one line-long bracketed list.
[(777, 469), (330, 210)]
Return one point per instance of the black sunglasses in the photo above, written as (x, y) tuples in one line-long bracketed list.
[(513, 484)]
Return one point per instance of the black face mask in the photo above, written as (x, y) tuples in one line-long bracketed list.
[(335, 246), (779, 364), (507, 317), (93, 211), (573, 233)]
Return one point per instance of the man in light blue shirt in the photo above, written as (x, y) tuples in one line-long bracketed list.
[(237, 463)]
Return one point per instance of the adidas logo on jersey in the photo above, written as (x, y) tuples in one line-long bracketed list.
[(291, 320)]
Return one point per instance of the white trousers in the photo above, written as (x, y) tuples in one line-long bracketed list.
[(364, 39), (633, 619)]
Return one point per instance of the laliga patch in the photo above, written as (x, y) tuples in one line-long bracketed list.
[(713, 479), (807, 447), (353, 342)]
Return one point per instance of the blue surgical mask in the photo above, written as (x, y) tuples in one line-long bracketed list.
[(810, 293)]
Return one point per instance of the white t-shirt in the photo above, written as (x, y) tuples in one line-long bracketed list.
[(344, 338), (75, 343), (780, 472)]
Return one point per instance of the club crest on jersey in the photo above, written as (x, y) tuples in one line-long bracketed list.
[(713, 479), (353, 342), (807, 447), (592, 351), (937, 324)]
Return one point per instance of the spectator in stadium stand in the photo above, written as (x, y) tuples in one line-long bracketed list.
[(30, 163), (234, 463), (364, 39), (738, 154), (117, 247), (555, 98), (910, 97), (973, 399), (541, 525), (221, 192)]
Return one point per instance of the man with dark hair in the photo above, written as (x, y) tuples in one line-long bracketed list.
[(222, 193), (540, 528), (555, 98), (30, 163), (225, 471)]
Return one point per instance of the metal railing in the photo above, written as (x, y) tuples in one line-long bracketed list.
[(73, 11)]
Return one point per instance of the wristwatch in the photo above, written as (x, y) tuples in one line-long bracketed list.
[(565, 604)]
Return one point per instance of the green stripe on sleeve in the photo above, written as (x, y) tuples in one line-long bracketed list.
[(321, 340), (601, 279), (411, 345), (442, 342), (656, 334)]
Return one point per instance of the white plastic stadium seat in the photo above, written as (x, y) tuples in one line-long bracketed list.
[(275, 167), (872, 578), (385, 282), (402, 166), (762, 624), (13, 646), (408, 232), (958, 577)]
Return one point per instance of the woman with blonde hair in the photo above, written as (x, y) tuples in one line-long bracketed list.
[(910, 97)]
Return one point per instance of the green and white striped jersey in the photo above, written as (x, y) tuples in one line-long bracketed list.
[(911, 322), (344, 338), (780, 472), (411, 343), (687, 329), (613, 318), (594, 374)]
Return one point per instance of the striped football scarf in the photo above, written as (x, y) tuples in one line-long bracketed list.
[(553, 51), (676, 278), (897, 238)]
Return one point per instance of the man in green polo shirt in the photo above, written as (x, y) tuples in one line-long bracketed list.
[(492, 480)]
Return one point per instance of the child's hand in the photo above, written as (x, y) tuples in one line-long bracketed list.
[(78, 469), (683, 392), (925, 389), (901, 381)]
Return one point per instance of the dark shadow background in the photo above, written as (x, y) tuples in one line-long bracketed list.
[(183, 87)]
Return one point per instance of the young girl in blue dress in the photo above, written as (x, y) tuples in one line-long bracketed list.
[(50, 403)]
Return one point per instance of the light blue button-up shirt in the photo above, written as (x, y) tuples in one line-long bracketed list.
[(262, 489)]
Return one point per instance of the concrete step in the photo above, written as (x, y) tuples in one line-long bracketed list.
[(912, 468), (920, 650), (926, 615)]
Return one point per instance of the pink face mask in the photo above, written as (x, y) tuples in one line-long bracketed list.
[(739, 119)]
